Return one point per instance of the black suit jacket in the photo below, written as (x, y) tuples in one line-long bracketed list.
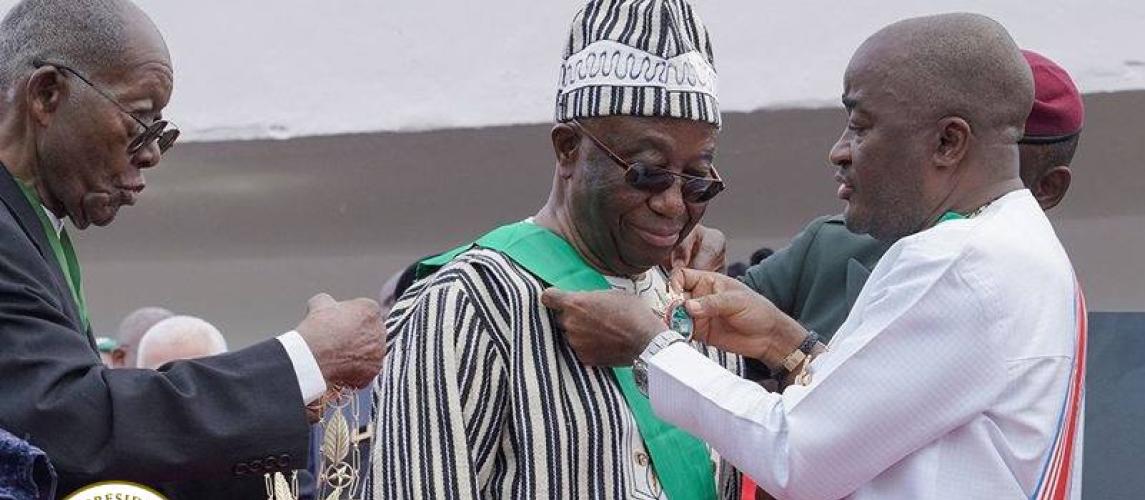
[(239, 413)]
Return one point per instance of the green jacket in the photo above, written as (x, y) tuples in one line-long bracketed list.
[(817, 278)]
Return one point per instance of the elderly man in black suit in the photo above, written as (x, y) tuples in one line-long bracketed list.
[(84, 83)]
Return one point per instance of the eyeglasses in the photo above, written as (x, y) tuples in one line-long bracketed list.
[(654, 180), (162, 131)]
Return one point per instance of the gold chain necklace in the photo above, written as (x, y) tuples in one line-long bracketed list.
[(339, 469)]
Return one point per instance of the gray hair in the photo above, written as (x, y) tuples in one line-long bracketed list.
[(88, 35), (134, 325), (179, 337)]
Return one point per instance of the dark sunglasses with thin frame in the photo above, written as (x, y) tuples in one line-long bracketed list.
[(652, 179), (161, 131)]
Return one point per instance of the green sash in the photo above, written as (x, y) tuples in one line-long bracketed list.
[(948, 216), (682, 462), (65, 253)]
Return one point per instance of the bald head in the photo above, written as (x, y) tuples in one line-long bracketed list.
[(963, 65), (95, 36), (179, 337), (935, 106), (134, 325)]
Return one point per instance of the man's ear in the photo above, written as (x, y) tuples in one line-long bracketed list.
[(1051, 186), (566, 145), (44, 93), (954, 136), (119, 358)]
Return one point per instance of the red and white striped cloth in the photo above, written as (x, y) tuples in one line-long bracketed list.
[(1059, 479)]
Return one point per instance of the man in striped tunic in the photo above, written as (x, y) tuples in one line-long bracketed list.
[(482, 396)]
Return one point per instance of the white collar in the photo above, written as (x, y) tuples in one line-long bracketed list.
[(57, 223)]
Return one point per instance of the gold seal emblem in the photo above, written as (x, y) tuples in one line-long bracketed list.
[(115, 490)]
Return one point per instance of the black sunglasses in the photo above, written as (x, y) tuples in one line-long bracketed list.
[(162, 131), (657, 179)]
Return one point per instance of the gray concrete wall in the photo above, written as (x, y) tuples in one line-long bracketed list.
[(242, 233)]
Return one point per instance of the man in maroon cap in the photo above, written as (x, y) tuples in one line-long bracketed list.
[(1052, 131)]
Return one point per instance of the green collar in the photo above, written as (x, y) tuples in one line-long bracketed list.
[(62, 248)]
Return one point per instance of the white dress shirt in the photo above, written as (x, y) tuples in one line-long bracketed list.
[(310, 380), (946, 381)]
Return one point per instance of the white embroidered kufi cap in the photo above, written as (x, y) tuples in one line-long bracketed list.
[(638, 58)]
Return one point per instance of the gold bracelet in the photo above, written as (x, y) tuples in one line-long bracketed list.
[(804, 376), (792, 360)]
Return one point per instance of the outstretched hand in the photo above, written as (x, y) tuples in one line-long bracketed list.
[(604, 328), (347, 339), (704, 248), (732, 317)]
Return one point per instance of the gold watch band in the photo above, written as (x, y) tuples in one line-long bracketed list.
[(792, 360)]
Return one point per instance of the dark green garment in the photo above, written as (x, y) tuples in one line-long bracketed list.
[(817, 278)]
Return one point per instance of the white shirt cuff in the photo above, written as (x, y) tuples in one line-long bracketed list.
[(679, 378), (310, 380)]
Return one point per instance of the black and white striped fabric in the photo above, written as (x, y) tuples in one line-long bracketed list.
[(481, 397), (638, 58)]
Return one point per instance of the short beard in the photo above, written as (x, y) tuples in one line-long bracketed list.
[(895, 219)]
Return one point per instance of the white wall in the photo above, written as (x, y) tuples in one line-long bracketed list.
[(286, 68)]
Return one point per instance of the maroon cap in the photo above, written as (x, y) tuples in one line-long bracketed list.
[(1058, 112)]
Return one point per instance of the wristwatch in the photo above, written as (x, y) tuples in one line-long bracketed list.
[(658, 343), (791, 361)]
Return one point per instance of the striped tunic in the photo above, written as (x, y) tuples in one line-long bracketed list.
[(481, 397)]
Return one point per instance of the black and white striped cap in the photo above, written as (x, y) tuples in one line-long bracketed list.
[(638, 58)]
